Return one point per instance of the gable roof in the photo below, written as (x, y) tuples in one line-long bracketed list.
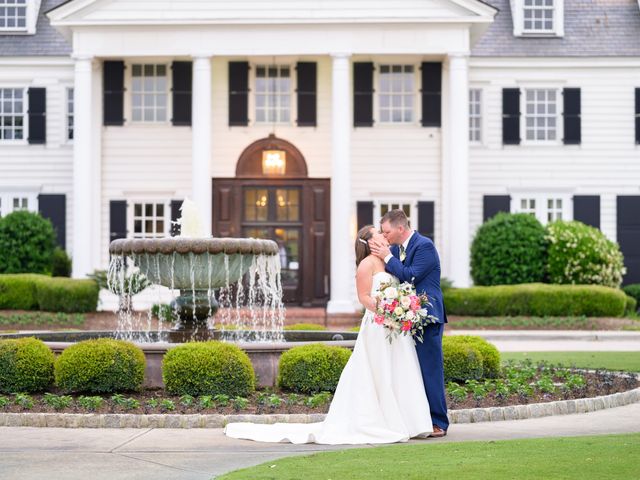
[(592, 28), (47, 41)]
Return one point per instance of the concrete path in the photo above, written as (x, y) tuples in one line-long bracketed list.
[(200, 454)]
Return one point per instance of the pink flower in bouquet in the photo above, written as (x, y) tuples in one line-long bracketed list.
[(379, 319), (415, 303), (406, 326), (391, 306)]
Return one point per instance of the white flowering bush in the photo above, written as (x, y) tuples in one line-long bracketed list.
[(580, 254)]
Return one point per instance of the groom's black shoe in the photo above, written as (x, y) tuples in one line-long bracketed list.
[(438, 432)]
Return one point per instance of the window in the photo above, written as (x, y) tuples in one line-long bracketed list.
[(545, 207), (396, 98), (541, 117), (273, 94), (475, 115), (13, 14), (12, 108), (406, 207), (69, 113), (149, 93), (13, 201), (538, 16), (150, 220)]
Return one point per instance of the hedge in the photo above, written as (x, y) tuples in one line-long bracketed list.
[(305, 326), (103, 365), (26, 365), (312, 368), (631, 307), (536, 299), (53, 294), (208, 368)]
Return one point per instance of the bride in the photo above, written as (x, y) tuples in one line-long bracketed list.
[(380, 397)]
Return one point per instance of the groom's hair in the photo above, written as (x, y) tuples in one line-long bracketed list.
[(396, 218)]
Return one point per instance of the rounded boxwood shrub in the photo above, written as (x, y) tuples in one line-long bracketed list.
[(632, 290), (509, 249), (537, 300), (489, 353), (631, 307), (462, 361), (208, 368), (27, 242), (26, 365), (581, 254), (103, 365), (312, 368)]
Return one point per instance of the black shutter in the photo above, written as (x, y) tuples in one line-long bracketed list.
[(365, 214), (238, 94), (363, 94), (431, 94), (586, 209), (117, 219), (426, 219), (37, 115), (572, 121), (307, 87), (182, 77), (492, 204), (638, 116), (113, 85), (175, 215), (54, 207), (511, 116)]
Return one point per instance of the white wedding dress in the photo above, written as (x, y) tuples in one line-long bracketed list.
[(380, 397)]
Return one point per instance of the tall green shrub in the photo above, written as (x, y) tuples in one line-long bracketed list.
[(509, 249), (580, 254), (27, 242)]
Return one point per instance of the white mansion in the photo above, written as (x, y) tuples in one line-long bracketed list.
[(299, 120)]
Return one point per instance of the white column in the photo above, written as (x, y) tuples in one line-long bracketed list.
[(341, 244), (201, 139), (83, 157), (458, 178)]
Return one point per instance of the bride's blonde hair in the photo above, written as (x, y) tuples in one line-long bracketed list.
[(362, 243)]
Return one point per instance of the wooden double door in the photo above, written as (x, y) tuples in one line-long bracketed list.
[(295, 214)]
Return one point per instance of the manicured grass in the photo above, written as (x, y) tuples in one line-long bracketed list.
[(627, 361), (599, 458)]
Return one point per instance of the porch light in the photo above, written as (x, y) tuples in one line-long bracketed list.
[(274, 162)]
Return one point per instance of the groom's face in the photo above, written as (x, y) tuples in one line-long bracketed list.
[(391, 233)]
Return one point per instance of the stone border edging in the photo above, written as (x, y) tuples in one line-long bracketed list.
[(471, 415)]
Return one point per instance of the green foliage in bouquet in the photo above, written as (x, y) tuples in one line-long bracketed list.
[(509, 249), (26, 365), (208, 368), (27, 243), (312, 368), (581, 254)]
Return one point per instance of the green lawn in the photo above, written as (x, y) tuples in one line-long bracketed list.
[(585, 458), (627, 361)]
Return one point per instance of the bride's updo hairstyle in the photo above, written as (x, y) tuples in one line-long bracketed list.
[(362, 243)]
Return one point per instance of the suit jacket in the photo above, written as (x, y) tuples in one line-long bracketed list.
[(422, 268)]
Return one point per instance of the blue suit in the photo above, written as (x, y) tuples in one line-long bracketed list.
[(421, 267)]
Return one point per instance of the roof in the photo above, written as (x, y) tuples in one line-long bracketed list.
[(592, 28), (47, 41)]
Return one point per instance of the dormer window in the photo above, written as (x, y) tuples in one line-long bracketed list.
[(13, 15), (538, 16)]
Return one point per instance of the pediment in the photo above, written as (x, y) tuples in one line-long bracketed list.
[(172, 12)]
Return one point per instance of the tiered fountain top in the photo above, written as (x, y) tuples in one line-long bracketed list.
[(193, 245)]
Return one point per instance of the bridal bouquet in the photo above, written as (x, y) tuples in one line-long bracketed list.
[(401, 311)]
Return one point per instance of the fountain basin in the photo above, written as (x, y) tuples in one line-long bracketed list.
[(264, 356)]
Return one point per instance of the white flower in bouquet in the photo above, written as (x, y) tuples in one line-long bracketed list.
[(398, 311), (391, 293), (410, 315), (405, 301)]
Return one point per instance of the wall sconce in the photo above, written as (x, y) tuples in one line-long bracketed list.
[(274, 162)]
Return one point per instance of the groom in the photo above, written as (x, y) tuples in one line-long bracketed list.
[(413, 258)]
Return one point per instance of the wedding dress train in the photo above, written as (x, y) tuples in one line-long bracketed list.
[(380, 397)]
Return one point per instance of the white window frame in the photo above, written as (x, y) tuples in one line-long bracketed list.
[(541, 210), (412, 202), (379, 93), (253, 102), (69, 116), (559, 128), (518, 20), (480, 116), (129, 87), (7, 197), (28, 6), (131, 217), (25, 118), (416, 92)]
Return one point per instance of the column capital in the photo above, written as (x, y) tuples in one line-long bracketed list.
[(340, 55), (201, 56)]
